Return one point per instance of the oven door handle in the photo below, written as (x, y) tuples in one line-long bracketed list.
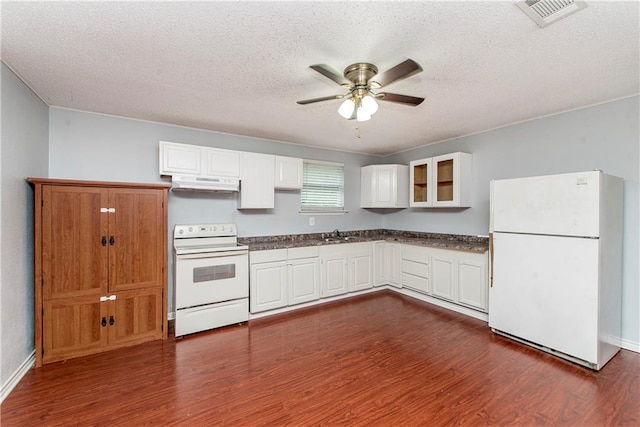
[(205, 255)]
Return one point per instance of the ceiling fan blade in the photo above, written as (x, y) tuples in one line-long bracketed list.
[(324, 98), (401, 99), (328, 72), (401, 71)]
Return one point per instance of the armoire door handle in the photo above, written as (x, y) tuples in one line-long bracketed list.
[(111, 320), (104, 322), (104, 240), (112, 240)]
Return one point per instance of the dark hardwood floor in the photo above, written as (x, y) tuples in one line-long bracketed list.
[(380, 359)]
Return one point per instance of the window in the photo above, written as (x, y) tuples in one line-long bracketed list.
[(322, 187)]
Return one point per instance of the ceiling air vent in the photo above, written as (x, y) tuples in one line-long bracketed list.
[(545, 12)]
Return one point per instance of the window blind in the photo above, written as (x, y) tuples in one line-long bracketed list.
[(322, 187)]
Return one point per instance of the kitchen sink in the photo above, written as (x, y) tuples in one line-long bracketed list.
[(338, 239)]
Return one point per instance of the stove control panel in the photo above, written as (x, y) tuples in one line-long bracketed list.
[(204, 230)]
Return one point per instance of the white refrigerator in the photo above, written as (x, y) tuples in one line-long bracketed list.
[(556, 264)]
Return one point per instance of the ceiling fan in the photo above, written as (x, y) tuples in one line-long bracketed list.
[(360, 79)]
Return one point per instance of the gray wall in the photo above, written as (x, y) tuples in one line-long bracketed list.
[(98, 147), (25, 121), (602, 137)]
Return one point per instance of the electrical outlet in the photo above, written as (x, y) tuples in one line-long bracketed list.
[(312, 221)]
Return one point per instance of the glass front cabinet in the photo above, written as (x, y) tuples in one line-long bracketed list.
[(442, 181)]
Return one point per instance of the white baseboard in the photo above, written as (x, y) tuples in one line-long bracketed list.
[(630, 345), (444, 304), (17, 376)]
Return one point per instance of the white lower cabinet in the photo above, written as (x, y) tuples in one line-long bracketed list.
[(473, 281), (442, 274), (381, 272), (360, 266), (283, 277), (268, 280), (455, 276), (416, 268), (388, 262), (304, 275), (286, 277), (334, 271), (346, 267)]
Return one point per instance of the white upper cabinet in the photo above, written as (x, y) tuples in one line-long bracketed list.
[(442, 181), (185, 159), (288, 174), (384, 186), (180, 159), (257, 189), (222, 162), (420, 183)]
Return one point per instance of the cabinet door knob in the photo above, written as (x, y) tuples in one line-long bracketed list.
[(112, 240), (104, 240), (111, 321), (104, 322)]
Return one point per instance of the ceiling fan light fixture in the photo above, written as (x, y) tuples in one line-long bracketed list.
[(369, 105), (360, 102), (347, 108)]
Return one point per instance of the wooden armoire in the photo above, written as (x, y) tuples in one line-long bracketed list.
[(100, 266)]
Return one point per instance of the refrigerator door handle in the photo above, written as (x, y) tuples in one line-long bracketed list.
[(491, 260)]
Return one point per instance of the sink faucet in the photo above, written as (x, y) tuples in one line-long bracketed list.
[(335, 233)]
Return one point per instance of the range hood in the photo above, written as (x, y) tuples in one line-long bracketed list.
[(197, 183)]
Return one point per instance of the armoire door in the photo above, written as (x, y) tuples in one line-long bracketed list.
[(73, 327), (135, 316), (74, 242), (136, 236)]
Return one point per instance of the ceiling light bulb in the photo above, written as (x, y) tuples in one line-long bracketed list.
[(346, 109), (362, 115), (369, 105)]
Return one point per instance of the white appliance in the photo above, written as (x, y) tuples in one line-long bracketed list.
[(556, 269), (211, 277), (193, 183)]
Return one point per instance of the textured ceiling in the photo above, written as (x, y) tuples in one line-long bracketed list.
[(240, 67)]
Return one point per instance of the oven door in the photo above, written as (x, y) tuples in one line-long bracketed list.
[(208, 278)]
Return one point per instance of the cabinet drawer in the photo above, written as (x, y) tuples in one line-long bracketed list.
[(195, 319), (303, 252), (256, 257), (414, 282), (416, 268), (415, 253)]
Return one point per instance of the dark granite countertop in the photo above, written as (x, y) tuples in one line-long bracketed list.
[(434, 240)]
